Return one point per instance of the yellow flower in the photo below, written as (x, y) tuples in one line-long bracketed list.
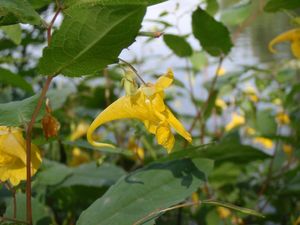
[(79, 157), (221, 72), (13, 155), (236, 120), (223, 212), (80, 130), (250, 131), (265, 142), (287, 149), (283, 118), (293, 36), (138, 151), (251, 93), (148, 106), (277, 101), (220, 103)]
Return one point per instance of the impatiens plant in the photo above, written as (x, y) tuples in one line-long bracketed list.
[(95, 94)]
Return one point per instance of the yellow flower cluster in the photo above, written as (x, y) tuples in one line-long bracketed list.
[(13, 156), (236, 121), (147, 105)]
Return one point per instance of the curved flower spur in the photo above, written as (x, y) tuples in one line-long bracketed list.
[(145, 104)]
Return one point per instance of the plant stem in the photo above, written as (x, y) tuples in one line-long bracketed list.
[(30, 126), (28, 147), (134, 70)]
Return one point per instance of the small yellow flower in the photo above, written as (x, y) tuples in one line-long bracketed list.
[(293, 36), (287, 149), (80, 131), (13, 156), (221, 72), (297, 221), (250, 131), (251, 93), (265, 142), (277, 101), (283, 118), (146, 105), (137, 150), (79, 157), (220, 103), (236, 120), (223, 212)]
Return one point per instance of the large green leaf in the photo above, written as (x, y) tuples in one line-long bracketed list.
[(40, 213), (178, 45), (17, 113), (14, 80), (213, 35), (276, 5), (145, 191), (68, 3), (18, 11), (90, 38)]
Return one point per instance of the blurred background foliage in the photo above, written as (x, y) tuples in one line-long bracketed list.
[(243, 113)]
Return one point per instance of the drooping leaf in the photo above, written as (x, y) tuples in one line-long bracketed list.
[(68, 3), (40, 213), (277, 5), (213, 35), (90, 38), (236, 15), (14, 80), (13, 32), (17, 113), (178, 45), (146, 191), (37, 4), (18, 11)]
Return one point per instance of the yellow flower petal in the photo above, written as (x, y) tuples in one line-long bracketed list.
[(236, 121), (223, 212), (293, 36), (287, 149), (265, 142), (165, 81), (146, 105), (13, 156), (80, 130)]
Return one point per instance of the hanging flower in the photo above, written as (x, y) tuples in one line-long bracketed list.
[(287, 149), (13, 156), (146, 105), (236, 121), (293, 36), (265, 142), (283, 118)]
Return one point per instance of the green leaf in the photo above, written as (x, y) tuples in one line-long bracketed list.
[(228, 150), (37, 4), (146, 191), (90, 38), (17, 113), (213, 35), (199, 60), (18, 11), (13, 32), (178, 45), (212, 7), (276, 5), (52, 173), (14, 80), (92, 175), (265, 122), (68, 3), (40, 212), (236, 15)]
